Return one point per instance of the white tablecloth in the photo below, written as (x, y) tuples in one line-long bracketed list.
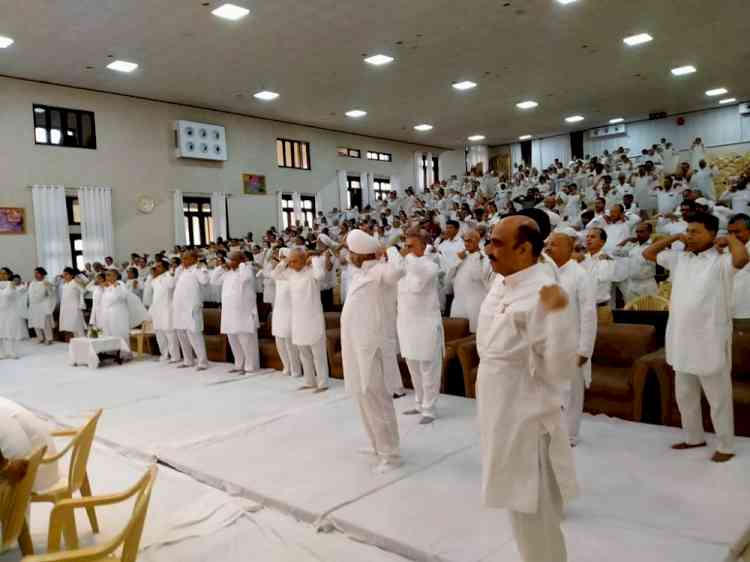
[(83, 351)]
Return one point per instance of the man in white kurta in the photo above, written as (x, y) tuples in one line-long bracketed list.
[(739, 226), (42, 301), (239, 311), (420, 325), (471, 277), (363, 345), (641, 273), (187, 311), (526, 342), (581, 291), (160, 291), (304, 275), (281, 323), (604, 270), (699, 330)]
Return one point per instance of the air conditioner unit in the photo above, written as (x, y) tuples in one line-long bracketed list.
[(608, 131), (200, 141), (745, 109)]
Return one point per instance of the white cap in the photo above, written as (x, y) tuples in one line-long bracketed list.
[(362, 243)]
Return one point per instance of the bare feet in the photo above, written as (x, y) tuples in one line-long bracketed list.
[(322, 389), (685, 446), (306, 387), (426, 420), (412, 412), (722, 457)]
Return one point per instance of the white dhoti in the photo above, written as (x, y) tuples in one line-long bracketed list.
[(192, 345), (245, 350), (289, 355), (426, 377), (718, 390), (538, 535), (314, 360)]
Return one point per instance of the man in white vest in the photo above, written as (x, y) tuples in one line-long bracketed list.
[(526, 341), (471, 277), (581, 291), (239, 311), (363, 345), (304, 274), (187, 310), (420, 325), (699, 330)]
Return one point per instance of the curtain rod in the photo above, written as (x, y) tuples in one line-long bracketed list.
[(68, 188)]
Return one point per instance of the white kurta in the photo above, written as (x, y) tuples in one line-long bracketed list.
[(162, 289), (581, 291), (307, 320), (471, 278), (12, 323), (742, 291), (239, 309), (187, 301), (114, 308), (42, 301), (71, 308), (604, 272), (527, 356)]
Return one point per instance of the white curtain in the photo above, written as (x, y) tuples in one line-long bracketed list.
[(396, 185), (298, 217), (479, 154), (536, 155), (430, 171), (318, 205), (343, 190), (51, 228), (364, 182), (516, 156), (280, 209), (419, 177), (219, 214), (97, 236), (179, 219)]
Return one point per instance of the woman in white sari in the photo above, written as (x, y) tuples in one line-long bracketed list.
[(42, 301), (72, 304)]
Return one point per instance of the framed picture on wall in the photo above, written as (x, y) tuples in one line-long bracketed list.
[(12, 220), (253, 184)]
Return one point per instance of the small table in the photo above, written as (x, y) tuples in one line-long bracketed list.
[(86, 351)]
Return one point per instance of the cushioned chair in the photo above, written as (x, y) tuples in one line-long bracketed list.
[(469, 359), (217, 344), (269, 355), (333, 320), (333, 347), (14, 504), (456, 333), (617, 387)]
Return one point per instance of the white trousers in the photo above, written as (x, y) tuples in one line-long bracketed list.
[(718, 390), (426, 377), (573, 404), (289, 355), (192, 342), (245, 350), (7, 348), (47, 333), (538, 535), (169, 345), (379, 415), (393, 381), (314, 360)]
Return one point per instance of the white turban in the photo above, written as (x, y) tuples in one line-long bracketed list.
[(362, 243)]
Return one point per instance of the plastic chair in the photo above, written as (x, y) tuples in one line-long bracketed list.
[(129, 538), (14, 502), (648, 302), (665, 289), (77, 480)]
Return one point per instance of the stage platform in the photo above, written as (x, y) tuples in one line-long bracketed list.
[(260, 439)]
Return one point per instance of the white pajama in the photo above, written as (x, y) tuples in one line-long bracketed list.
[(289, 355), (314, 360), (573, 404), (8, 348), (245, 350), (192, 344), (538, 535), (379, 416), (393, 381), (426, 377), (46, 334), (718, 390), (169, 345)]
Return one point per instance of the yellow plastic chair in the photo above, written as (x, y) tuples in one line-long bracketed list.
[(648, 302), (665, 289), (77, 479), (14, 502), (129, 538)]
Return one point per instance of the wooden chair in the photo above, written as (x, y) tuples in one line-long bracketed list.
[(128, 539), (77, 480), (14, 502), (648, 302)]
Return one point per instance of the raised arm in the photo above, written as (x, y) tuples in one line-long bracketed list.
[(737, 250), (654, 249)]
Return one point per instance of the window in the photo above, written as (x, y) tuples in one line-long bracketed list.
[(74, 231), (199, 221), (426, 164), (381, 187), (74, 210), (379, 156), (293, 154), (58, 126), (287, 210), (349, 152), (308, 209), (354, 191)]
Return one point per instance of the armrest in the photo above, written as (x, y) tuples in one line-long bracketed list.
[(61, 454), (64, 433)]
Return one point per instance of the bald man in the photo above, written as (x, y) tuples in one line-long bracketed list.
[(526, 339), (471, 277)]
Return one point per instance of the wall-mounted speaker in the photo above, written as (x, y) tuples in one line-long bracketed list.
[(200, 140)]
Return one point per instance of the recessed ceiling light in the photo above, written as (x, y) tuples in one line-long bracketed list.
[(423, 127), (378, 60), (526, 104), (465, 85), (356, 113), (475, 138), (5, 42), (727, 100), (524, 137), (566, 1), (122, 66), (638, 39), (616, 120), (683, 70), (717, 92), (574, 119), (230, 12), (265, 95)]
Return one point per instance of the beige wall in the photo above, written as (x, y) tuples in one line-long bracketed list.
[(135, 155)]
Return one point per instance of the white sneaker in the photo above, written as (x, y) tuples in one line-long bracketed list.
[(388, 465)]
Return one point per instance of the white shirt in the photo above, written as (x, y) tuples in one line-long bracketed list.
[(704, 181), (450, 248), (740, 200), (667, 201), (604, 272), (239, 312), (471, 277), (742, 291), (581, 292)]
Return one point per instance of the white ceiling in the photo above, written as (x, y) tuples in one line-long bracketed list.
[(570, 58)]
